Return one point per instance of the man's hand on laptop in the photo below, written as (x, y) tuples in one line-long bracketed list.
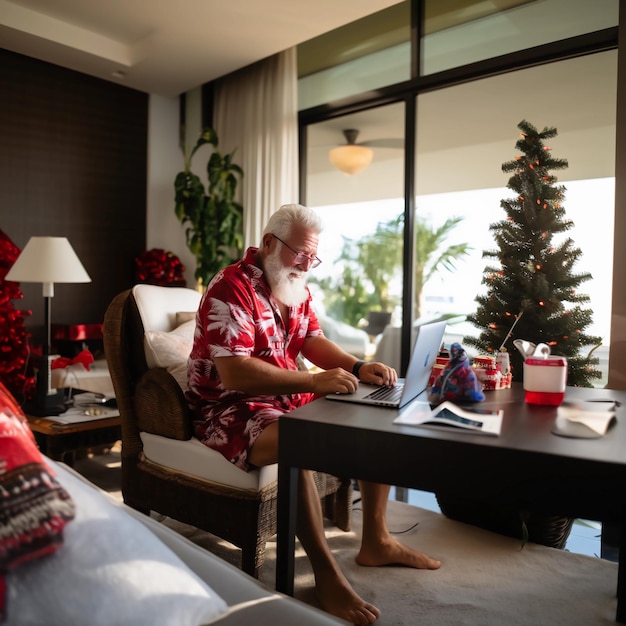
[(375, 373), (336, 380)]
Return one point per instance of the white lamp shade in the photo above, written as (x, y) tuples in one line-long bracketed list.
[(48, 260), (351, 158)]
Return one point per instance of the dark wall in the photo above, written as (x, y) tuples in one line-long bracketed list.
[(73, 163)]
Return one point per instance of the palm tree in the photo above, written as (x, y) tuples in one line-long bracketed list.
[(431, 257), (371, 263), (379, 256)]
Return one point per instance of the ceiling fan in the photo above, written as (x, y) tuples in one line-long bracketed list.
[(352, 157)]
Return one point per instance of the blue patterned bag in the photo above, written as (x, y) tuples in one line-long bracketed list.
[(457, 382)]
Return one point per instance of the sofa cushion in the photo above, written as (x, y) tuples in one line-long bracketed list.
[(111, 570), (185, 316)]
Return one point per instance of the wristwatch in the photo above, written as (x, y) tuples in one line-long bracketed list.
[(356, 367)]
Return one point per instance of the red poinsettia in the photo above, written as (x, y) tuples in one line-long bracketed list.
[(158, 267)]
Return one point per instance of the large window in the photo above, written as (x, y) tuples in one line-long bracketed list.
[(458, 173), (358, 287), (458, 33), (376, 52), (464, 132), (370, 53)]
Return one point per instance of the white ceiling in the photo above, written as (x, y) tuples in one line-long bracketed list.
[(167, 47)]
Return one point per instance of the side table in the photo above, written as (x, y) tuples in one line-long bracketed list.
[(61, 441)]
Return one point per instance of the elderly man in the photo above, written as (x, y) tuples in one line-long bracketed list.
[(255, 319)]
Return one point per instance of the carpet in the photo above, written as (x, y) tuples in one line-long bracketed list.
[(485, 580)]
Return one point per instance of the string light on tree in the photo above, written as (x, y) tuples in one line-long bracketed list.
[(531, 272)]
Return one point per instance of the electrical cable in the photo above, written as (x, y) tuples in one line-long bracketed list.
[(393, 532)]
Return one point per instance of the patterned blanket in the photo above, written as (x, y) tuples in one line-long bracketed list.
[(34, 508)]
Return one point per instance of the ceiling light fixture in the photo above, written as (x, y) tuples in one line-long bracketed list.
[(351, 158)]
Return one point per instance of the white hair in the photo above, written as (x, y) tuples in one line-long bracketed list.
[(282, 221)]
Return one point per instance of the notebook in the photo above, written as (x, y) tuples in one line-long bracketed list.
[(425, 350)]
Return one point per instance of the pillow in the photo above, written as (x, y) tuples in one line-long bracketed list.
[(184, 316), (34, 508), (111, 570), (171, 350)]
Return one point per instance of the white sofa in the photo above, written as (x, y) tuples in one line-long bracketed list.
[(71, 555), (117, 566)]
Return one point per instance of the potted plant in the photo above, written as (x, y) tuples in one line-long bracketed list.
[(212, 217)]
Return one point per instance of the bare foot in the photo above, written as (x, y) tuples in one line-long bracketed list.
[(392, 552), (339, 599)]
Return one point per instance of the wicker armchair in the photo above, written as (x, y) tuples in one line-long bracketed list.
[(153, 409)]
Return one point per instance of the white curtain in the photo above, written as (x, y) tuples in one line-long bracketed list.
[(256, 113)]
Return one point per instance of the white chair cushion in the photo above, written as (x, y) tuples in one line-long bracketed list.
[(167, 341), (158, 306), (193, 457)]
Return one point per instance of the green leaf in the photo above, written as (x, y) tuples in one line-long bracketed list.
[(209, 136), (214, 220)]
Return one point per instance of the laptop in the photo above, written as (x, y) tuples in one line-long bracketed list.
[(425, 350)]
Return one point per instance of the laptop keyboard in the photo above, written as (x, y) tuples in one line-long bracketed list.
[(388, 394)]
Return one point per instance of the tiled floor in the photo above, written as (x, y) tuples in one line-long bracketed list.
[(584, 538)]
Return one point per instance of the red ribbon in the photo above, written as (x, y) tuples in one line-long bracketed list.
[(84, 356)]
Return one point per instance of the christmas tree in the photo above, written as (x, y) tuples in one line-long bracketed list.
[(14, 349), (532, 292)]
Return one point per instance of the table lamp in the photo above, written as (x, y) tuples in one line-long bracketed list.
[(47, 260)]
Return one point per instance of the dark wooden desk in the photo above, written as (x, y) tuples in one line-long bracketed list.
[(61, 441), (575, 477)]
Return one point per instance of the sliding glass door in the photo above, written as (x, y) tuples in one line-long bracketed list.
[(358, 287), (465, 133)]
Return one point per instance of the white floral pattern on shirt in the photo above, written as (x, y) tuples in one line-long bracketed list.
[(241, 318)]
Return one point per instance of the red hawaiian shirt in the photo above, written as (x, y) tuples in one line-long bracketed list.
[(238, 316)]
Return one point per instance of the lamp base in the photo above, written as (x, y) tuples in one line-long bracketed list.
[(46, 401)]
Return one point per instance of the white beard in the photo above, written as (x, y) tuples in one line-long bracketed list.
[(288, 284)]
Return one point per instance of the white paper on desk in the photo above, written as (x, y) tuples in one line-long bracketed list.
[(581, 421), (449, 416), (77, 415)]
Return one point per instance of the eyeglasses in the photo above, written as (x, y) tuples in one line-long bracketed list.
[(301, 258)]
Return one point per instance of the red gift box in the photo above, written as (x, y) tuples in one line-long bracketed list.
[(76, 332)]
